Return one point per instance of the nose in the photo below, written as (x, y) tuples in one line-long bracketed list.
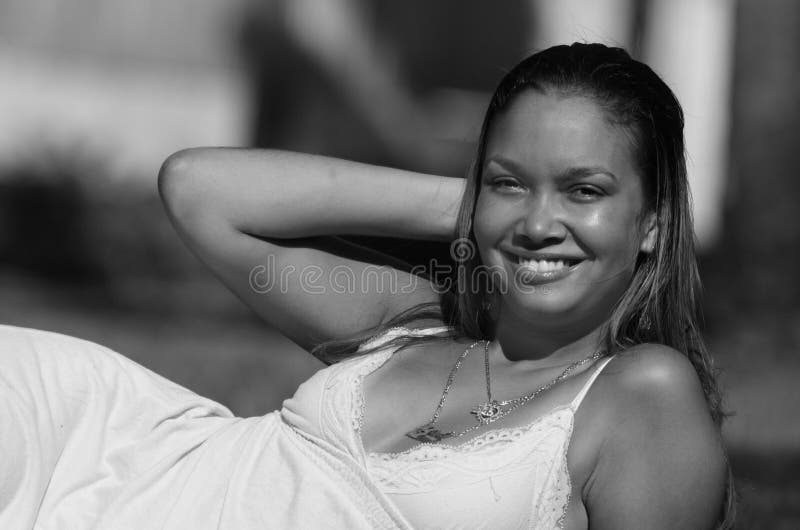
[(543, 223)]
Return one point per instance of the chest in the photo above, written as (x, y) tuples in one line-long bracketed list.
[(515, 470), (406, 393)]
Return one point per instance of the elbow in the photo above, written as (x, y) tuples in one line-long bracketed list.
[(175, 172), (179, 182)]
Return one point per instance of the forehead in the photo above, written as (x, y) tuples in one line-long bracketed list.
[(552, 132)]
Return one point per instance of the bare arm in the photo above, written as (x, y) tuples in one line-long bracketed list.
[(662, 465), (263, 222)]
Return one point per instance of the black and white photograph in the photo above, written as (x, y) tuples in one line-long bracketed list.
[(418, 265)]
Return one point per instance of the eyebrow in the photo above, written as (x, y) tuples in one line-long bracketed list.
[(572, 173)]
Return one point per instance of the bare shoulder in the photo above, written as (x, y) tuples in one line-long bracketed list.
[(657, 372), (662, 461), (655, 390)]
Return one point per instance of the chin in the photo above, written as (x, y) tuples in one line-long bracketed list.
[(562, 304), (546, 303)]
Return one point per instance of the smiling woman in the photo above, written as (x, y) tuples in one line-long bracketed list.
[(562, 201), (563, 354)]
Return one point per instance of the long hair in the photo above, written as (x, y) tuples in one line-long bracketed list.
[(662, 302)]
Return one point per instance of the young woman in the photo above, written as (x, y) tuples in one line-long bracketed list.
[(554, 378)]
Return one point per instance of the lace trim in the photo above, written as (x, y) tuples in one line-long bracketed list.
[(368, 365), (429, 468), (553, 512), (568, 498), (474, 450), (562, 490), (490, 438), (358, 408), (342, 396), (379, 516)]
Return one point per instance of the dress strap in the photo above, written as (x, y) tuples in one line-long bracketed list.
[(427, 331), (389, 334), (582, 394)]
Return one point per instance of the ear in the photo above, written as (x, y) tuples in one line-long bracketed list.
[(651, 233)]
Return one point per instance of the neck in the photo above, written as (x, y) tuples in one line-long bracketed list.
[(521, 341)]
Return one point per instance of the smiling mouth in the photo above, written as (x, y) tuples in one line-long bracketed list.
[(545, 265)]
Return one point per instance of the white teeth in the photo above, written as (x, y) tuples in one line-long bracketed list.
[(543, 265)]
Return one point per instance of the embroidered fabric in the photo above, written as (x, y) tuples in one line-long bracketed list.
[(446, 485)]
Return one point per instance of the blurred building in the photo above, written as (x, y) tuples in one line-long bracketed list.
[(133, 81), (689, 43)]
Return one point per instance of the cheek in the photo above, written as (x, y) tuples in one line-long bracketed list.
[(483, 222), (613, 231), (492, 222)]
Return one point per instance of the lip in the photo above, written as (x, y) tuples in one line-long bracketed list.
[(537, 278), (552, 256)]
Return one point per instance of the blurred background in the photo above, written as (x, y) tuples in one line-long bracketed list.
[(94, 95)]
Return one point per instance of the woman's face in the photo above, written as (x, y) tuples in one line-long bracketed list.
[(559, 214)]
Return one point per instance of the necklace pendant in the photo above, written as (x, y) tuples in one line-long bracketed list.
[(487, 412), (428, 433)]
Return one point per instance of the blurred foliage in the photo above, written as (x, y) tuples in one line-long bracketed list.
[(43, 219), (69, 224)]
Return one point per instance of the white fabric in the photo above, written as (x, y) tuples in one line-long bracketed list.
[(504, 478), (91, 440)]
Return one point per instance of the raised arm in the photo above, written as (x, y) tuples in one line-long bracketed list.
[(265, 223)]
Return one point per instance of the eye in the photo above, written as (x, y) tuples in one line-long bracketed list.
[(505, 184), (586, 193)]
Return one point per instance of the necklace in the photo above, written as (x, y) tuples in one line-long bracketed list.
[(428, 432), (490, 410)]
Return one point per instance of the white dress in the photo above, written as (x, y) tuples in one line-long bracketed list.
[(89, 439)]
